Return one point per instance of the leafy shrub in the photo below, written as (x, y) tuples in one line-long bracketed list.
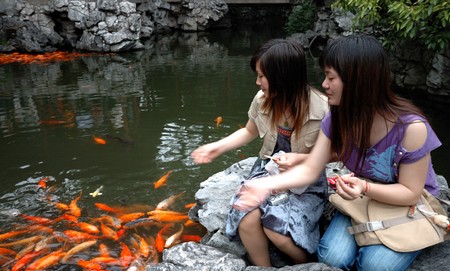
[(302, 18), (425, 20)]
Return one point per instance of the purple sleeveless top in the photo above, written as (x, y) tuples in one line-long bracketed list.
[(382, 159)]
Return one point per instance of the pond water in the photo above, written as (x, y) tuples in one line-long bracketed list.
[(152, 107)]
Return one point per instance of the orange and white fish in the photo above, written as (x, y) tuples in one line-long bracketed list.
[(162, 181), (77, 249), (99, 140), (165, 204), (218, 121), (174, 238), (87, 227)]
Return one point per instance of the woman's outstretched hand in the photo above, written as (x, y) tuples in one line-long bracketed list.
[(205, 154), (251, 195)]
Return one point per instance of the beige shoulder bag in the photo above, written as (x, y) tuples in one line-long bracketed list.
[(401, 228)]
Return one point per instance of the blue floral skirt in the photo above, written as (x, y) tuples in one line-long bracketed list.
[(297, 217)]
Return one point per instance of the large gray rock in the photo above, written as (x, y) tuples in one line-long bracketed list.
[(216, 252)]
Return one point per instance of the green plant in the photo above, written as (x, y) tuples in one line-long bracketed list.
[(425, 20), (302, 18)]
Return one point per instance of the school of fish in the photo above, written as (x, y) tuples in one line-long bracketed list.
[(24, 58), (117, 238)]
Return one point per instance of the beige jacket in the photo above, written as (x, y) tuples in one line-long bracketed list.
[(309, 132)]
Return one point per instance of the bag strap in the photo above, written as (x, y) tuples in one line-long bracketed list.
[(384, 224)]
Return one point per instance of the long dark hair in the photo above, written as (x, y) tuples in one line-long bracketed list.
[(364, 69), (283, 63)]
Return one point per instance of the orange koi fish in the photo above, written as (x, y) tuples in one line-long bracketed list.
[(73, 208), (46, 261), (141, 222), (32, 239), (11, 234), (164, 212), (109, 220), (190, 238), (162, 181), (105, 207), (130, 217), (218, 121), (79, 236), (144, 248), (170, 218), (104, 251), (89, 228), (27, 258), (174, 238), (190, 205), (44, 243), (77, 249), (121, 232), (190, 223), (67, 217), (61, 206), (36, 219), (42, 183), (99, 140), (39, 228), (159, 241), (24, 251), (88, 265), (108, 232), (165, 204), (125, 255), (6, 251), (108, 260)]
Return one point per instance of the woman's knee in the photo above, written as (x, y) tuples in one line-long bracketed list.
[(379, 257), (251, 220)]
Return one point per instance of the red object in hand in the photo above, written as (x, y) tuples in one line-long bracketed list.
[(332, 181)]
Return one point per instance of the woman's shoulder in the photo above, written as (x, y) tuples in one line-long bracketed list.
[(318, 107)]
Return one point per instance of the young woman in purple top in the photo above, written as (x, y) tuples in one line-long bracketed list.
[(377, 135)]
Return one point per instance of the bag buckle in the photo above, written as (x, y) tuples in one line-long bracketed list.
[(374, 225)]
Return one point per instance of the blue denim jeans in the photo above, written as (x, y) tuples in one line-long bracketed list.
[(338, 248)]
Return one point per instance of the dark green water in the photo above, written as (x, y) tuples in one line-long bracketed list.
[(153, 107)]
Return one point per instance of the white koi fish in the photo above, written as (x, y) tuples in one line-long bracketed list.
[(97, 192)]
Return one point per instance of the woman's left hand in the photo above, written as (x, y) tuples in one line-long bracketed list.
[(349, 187)]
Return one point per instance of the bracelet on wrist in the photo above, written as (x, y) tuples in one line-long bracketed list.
[(367, 188)]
